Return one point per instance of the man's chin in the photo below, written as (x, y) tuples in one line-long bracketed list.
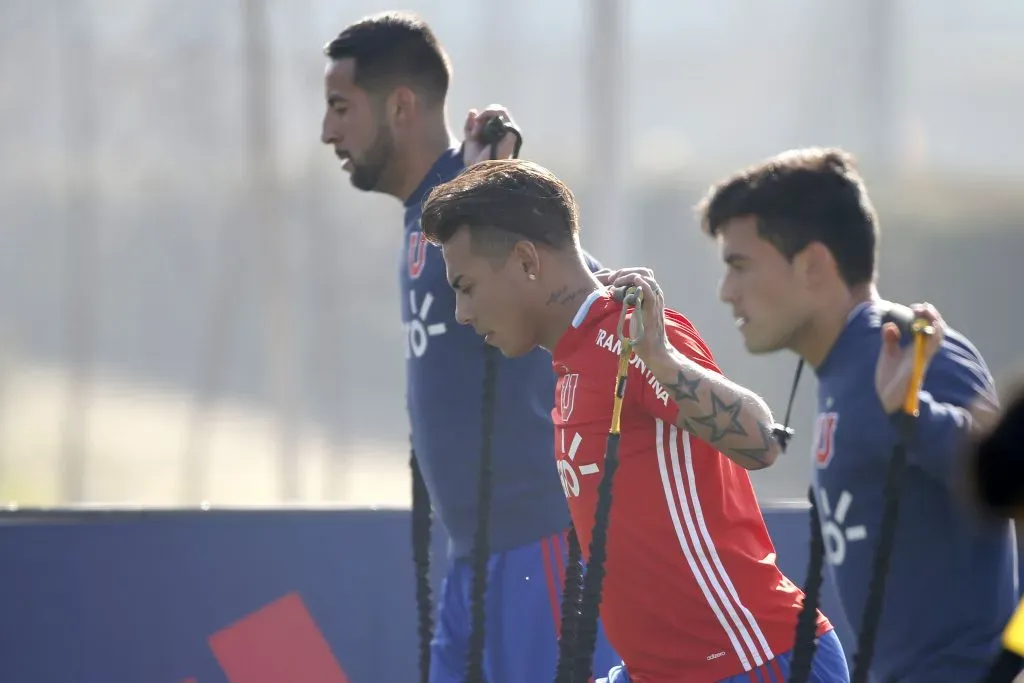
[(508, 352), (760, 347), (361, 185), (362, 181), (512, 351), (758, 350)]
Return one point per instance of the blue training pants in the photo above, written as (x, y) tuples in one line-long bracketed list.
[(828, 666), (523, 617)]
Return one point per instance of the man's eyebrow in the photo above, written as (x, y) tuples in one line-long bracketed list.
[(335, 98)]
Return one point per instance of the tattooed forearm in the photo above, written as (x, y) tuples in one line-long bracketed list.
[(729, 417), (763, 454), (683, 388), (723, 419)]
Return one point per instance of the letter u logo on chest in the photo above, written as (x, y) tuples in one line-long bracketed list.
[(567, 395)]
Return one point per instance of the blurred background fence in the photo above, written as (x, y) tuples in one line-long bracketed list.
[(195, 304)]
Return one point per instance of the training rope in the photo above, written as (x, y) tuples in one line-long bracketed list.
[(492, 134), (906, 421), (580, 666)]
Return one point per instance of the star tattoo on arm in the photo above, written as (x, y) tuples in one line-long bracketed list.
[(714, 420), (759, 454), (684, 389)]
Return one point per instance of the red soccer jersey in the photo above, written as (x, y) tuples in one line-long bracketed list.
[(691, 590)]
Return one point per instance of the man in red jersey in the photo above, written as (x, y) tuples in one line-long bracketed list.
[(691, 591)]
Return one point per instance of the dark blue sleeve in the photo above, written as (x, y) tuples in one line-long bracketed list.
[(954, 378), (592, 262)]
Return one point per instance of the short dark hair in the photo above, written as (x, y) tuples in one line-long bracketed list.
[(799, 197), (503, 201), (392, 49)]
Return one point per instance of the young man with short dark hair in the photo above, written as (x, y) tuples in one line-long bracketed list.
[(691, 591), (386, 83), (799, 238)]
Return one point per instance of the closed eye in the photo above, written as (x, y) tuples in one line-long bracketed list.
[(459, 286), (735, 262)]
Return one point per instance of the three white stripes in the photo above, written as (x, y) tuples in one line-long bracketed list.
[(737, 621)]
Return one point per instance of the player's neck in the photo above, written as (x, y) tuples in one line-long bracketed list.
[(815, 342), (566, 295), (422, 154)]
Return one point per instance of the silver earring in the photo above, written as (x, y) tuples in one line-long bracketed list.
[(532, 276)]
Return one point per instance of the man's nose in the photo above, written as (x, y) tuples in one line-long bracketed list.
[(727, 290), (462, 311), (326, 134)]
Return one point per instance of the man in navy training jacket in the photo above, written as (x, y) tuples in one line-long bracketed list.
[(386, 82), (798, 236)]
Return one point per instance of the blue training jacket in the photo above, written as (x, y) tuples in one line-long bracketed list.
[(952, 580), (444, 383)]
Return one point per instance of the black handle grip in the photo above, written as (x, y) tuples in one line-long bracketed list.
[(493, 131), (901, 315)]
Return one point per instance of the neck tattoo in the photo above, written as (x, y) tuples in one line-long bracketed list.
[(562, 296)]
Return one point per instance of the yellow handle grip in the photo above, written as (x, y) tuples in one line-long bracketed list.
[(620, 390), (1013, 634), (921, 330)]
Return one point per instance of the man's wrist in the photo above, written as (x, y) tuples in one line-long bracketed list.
[(892, 406), (891, 410), (662, 362)]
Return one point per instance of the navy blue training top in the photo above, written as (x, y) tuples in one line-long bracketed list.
[(952, 582), (444, 385)]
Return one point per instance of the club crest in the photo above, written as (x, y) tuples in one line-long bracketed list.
[(567, 394), (416, 256), (824, 441)]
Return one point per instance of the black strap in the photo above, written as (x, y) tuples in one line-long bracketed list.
[(494, 132), (1005, 668), (783, 433)]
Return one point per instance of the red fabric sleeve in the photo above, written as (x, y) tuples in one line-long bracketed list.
[(642, 385)]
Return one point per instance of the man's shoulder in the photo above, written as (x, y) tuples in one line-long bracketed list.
[(445, 168), (957, 346), (958, 372), (598, 342), (685, 338), (597, 329), (957, 359), (858, 345), (680, 325)]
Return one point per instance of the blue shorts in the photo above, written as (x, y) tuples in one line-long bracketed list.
[(524, 598), (829, 666)]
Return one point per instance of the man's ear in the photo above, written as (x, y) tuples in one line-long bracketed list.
[(400, 105), (527, 259), (815, 265)]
